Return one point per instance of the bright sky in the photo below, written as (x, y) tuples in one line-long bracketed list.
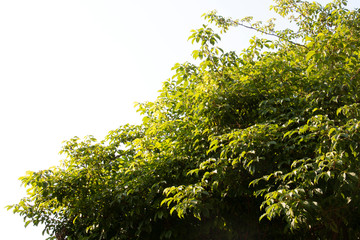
[(76, 67)]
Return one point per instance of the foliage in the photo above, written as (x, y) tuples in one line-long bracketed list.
[(270, 134)]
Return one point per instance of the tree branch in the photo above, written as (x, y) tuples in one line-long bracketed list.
[(271, 34)]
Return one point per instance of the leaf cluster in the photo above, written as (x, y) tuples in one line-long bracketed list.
[(262, 144)]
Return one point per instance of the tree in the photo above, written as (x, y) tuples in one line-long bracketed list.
[(257, 145)]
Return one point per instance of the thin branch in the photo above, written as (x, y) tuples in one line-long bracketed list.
[(271, 34)]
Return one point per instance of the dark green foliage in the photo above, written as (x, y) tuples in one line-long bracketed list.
[(258, 145)]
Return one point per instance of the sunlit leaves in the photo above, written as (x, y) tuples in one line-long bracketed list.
[(271, 133)]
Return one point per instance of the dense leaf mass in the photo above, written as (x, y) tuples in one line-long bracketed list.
[(258, 145)]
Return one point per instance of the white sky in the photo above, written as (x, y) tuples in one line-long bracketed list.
[(76, 67)]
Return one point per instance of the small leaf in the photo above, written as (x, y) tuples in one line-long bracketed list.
[(309, 55)]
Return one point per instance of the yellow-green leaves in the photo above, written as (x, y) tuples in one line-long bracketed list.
[(309, 55), (272, 132)]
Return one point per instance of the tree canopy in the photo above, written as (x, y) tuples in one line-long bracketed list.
[(260, 144)]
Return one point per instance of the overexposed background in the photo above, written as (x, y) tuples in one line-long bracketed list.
[(76, 67)]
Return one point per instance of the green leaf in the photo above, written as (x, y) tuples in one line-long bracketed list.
[(309, 55)]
